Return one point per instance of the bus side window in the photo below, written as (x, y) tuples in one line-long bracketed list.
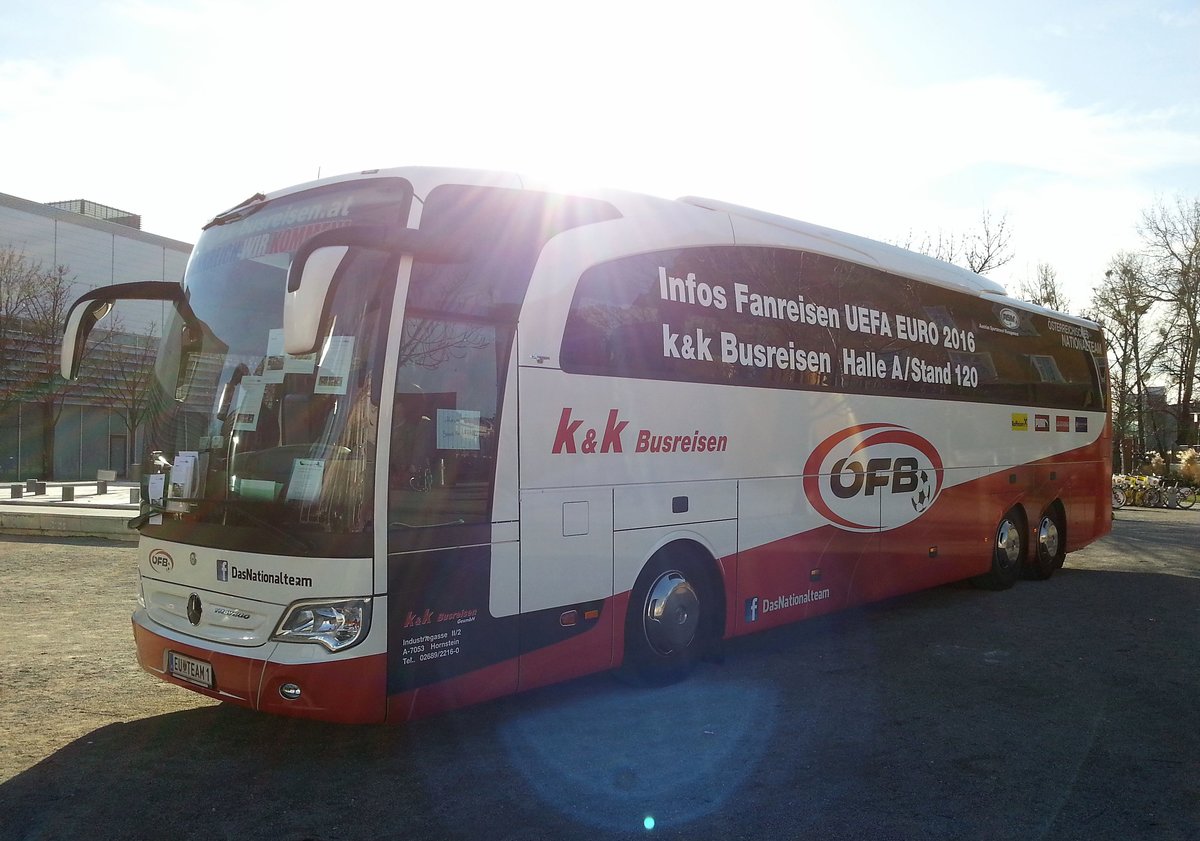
[(413, 440)]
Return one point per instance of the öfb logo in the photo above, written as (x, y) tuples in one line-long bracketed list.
[(873, 477)]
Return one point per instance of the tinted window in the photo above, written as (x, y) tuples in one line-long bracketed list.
[(500, 232), (458, 333), (779, 318)]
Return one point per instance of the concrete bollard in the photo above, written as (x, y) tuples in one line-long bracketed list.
[(31, 486), (68, 493), (39, 488), (102, 486), (15, 491), (135, 495)]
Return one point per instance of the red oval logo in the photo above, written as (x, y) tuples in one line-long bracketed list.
[(873, 477), (162, 560)]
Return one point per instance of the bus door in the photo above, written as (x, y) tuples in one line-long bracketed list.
[(452, 569), (566, 583)]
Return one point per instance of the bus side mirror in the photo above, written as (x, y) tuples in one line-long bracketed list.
[(93, 305), (312, 274), (314, 271), (84, 316)]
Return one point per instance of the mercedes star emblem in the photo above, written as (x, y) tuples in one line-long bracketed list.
[(194, 609)]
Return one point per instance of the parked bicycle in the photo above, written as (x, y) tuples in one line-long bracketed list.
[(1179, 495), (1152, 492)]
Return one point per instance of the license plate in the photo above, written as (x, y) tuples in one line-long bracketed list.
[(190, 669)]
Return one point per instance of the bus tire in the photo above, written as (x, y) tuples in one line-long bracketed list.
[(1008, 554), (1050, 551), (668, 626)]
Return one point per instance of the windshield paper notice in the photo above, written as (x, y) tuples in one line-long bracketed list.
[(279, 363), (307, 477), (334, 371), (458, 429), (248, 402)]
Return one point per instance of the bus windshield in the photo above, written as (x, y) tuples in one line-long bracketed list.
[(259, 438)]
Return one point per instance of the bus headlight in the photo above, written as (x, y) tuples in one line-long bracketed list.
[(336, 625)]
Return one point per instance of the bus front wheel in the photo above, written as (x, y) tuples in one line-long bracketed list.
[(1008, 554), (668, 625)]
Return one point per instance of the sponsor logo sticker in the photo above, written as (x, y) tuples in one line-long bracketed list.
[(1010, 318), (1062, 423), (1081, 425), (161, 560), (1020, 421), (226, 571), (874, 476), (756, 606), (751, 614), (1041, 423)]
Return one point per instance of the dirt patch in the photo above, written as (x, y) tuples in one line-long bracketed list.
[(69, 665)]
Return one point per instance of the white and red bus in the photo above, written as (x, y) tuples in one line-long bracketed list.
[(437, 436)]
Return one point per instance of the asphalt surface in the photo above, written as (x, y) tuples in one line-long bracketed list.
[(1064, 709)]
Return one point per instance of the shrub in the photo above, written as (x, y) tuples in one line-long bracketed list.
[(1189, 465)]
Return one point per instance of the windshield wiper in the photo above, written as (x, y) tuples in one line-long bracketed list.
[(239, 211), (459, 522), (236, 505), (141, 520)]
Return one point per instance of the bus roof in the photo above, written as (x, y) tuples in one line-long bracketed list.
[(881, 255), (748, 227)]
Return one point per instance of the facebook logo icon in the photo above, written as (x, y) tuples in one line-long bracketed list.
[(752, 609), (222, 570)]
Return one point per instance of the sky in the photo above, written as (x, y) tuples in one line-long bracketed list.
[(892, 120)]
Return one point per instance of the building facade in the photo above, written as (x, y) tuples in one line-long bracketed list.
[(94, 245)]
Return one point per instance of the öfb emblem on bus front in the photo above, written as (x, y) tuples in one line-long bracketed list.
[(874, 476), (161, 560)]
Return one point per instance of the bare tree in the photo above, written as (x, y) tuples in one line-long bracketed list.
[(1045, 290), (1174, 345), (987, 248), (124, 370), (33, 308), (47, 317), (19, 282), (941, 246), (1121, 305), (1172, 238), (981, 250)]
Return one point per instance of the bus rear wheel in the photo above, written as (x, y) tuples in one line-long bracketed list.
[(1050, 551), (1008, 554), (668, 624)]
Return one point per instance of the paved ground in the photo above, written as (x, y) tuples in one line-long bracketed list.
[(1064, 709), (89, 514), (79, 496)]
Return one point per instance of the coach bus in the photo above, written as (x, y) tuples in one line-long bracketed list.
[(436, 436)]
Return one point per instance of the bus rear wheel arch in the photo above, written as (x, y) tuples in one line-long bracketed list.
[(674, 618), (1010, 549)]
